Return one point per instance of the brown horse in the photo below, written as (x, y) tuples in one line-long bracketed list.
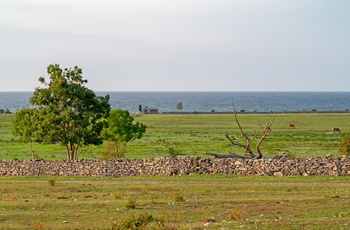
[(335, 130), (291, 126)]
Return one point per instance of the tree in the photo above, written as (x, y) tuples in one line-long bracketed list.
[(237, 141), (25, 124), (120, 129), (179, 106), (70, 113), (140, 108)]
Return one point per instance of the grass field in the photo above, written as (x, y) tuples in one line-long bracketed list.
[(186, 202), (194, 134)]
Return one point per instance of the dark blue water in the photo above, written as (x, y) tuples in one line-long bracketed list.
[(208, 101)]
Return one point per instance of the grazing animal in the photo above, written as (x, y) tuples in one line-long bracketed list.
[(335, 130), (291, 126)]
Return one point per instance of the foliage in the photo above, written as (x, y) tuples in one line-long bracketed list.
[(179, 106), (173, 152), (109, 151), (131, 204), (52, 182), (26, 125), (177, 197), (38, 225), (121, 130), (7, 111), (70, 113), (140, 108), (134, 222), (236, 214), (344, 145)]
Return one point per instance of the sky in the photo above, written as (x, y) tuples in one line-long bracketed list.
[(178, 45)]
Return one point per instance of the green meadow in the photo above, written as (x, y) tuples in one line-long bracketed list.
[(184, 202), (194, 134)]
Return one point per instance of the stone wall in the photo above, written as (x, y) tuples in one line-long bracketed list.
[(167, 166)]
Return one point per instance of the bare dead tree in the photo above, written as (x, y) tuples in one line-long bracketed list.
[(237, 141)]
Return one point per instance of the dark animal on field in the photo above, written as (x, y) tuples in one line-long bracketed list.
[(291, 126), (335, 130)]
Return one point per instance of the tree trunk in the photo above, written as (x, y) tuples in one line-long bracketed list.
[(31, 149), (71, 151), (116, 149)]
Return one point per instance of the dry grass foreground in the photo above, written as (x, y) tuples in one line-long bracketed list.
[(181, 202)]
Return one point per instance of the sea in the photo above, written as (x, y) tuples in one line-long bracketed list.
[(208, 101)]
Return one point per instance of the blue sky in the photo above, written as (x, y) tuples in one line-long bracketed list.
[(179, 45)]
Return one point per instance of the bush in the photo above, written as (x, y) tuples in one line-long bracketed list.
[(134, 222), (131, 204), (177, 197), (173, 152), (236, 215), (109, 151), (344, 145), (52, 182), (143, 221)]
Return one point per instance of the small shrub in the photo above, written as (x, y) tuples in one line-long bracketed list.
[(178, 197), (52, 182), (173, 152), (143, 221), (134, 222), (108, 152), (344, 145), (38, 225), (118, 195), (153, 199), (131, 204), (236, 215)]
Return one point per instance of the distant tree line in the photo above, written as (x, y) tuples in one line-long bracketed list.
[(5, 111)]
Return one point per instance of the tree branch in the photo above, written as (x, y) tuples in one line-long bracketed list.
[(265, 132)]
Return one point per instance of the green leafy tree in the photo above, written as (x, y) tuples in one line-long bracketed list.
[(179, 106), (121, 130), (25, 124), (70, 113), (140, 108)]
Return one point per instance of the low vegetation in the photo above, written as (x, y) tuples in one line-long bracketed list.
[(182, 202)]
